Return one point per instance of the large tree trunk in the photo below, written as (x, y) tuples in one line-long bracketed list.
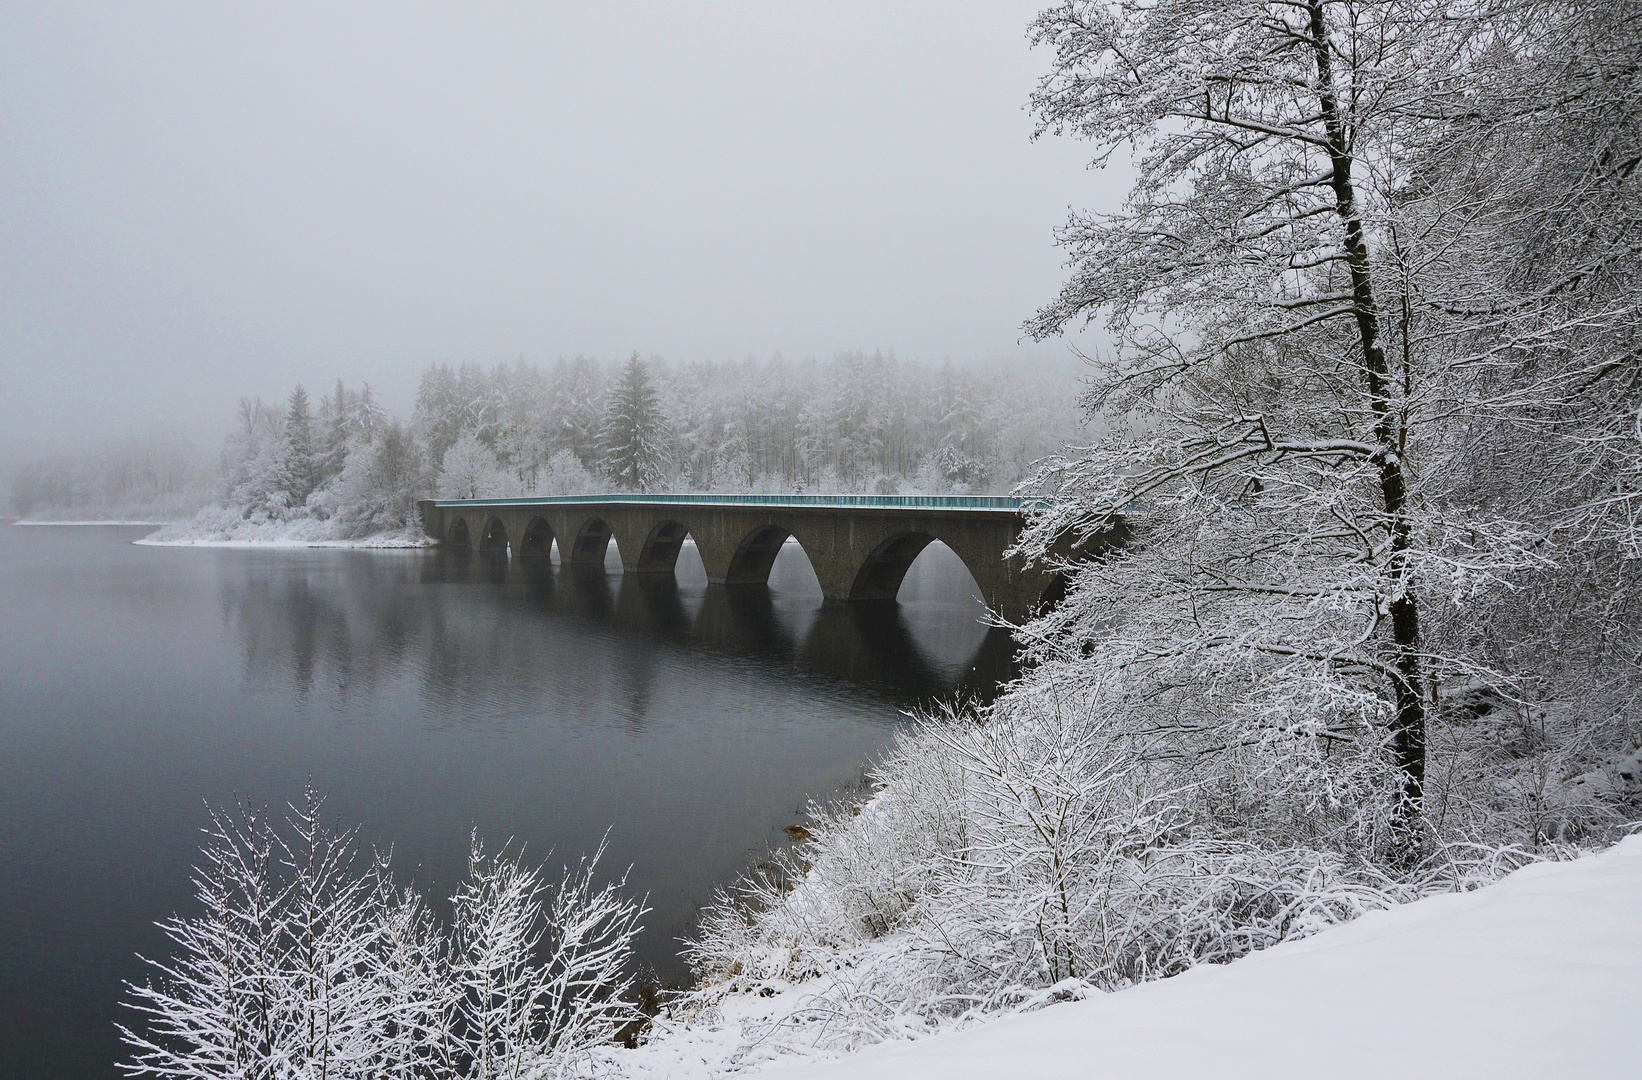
[(1408, 726)]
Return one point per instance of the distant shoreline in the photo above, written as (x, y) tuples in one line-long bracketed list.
[(378, 543), (150, 524)]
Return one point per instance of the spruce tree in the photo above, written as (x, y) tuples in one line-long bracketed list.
[(298, 469), (635, 430), (333, 413), (580, 390)]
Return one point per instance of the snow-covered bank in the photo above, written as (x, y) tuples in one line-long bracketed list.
[(226, 528), (1539, 975), (149, 524), (395, 541)]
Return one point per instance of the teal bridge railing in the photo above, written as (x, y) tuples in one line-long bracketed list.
[(876, 502)]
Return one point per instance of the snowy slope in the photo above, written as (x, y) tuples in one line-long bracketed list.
[(1539, 975)]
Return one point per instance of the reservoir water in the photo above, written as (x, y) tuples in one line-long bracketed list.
[(427, 694)]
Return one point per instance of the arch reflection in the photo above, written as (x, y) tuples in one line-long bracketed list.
[(931, 646)]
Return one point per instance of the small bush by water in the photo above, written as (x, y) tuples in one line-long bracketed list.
[(309, 961)]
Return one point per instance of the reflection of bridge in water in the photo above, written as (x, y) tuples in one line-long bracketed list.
[(933, 646), (860, 547)]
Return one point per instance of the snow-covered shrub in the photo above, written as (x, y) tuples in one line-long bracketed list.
[(1551, 770), (305, 963), (852, 882), (1068, 837), (539, 973)]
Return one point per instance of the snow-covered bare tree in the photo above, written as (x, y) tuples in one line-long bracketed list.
[(250, 460), (470, 471), (1259, 286), (563, 474), (380, 483), (1521, 248)]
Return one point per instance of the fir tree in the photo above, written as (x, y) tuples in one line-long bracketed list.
[(438, 410), (333, 413), (366, 417), (298, 469), (579, 388), (635, 430)]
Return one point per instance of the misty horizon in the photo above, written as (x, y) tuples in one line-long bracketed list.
[(201, 204)]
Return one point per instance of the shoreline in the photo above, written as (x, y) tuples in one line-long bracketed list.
[(148, 524), (376, 543)]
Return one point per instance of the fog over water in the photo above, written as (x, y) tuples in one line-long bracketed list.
[(199, 202)]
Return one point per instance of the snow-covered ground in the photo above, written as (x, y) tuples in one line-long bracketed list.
[(385, 540), (1538, 975), (219, 528), (98, 522)]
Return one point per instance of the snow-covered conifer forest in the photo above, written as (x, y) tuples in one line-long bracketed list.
[(338, 467)]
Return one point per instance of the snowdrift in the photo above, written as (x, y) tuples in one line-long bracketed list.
[(1539, 975)]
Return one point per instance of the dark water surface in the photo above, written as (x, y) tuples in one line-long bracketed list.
[(427, 694)]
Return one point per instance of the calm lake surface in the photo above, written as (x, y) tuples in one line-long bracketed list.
[(427, 694)]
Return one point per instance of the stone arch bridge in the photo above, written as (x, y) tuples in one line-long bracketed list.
[(859, 546)]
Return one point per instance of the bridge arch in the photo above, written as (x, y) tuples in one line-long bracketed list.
[(880, 575), (659, 555), (1076, 552), (592, 541), (1055, 591), (495, 536), (537, 542), (750, 565), (943, 576), (459, 537)]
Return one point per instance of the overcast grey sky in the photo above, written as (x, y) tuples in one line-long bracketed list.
[(201, 201)]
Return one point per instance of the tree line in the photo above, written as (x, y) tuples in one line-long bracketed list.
[(154, 475), (856, 423)]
